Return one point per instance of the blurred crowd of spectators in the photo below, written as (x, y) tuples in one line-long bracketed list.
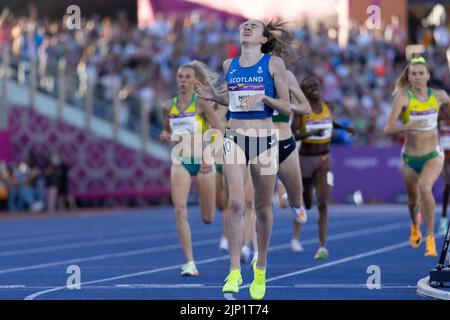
[(37, 184), (112, 54)]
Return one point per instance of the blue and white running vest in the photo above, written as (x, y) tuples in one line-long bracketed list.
[(244, 82)]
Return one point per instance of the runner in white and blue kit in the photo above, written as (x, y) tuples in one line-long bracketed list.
[(247, 81), (256, 87)]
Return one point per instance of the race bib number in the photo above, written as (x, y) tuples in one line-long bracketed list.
[(182, 124), (430, 116), (239, 92), (327, 126)]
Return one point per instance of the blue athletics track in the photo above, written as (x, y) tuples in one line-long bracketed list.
[(135, 254)]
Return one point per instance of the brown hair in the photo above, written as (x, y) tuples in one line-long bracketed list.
[(278, 40)]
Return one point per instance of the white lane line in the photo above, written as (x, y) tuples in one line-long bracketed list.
[(348, 235), (81, 223), (226, 257), (46, 230), (205, 286), (75, 244), (153, 236), (339, 236), (61, 227), (136, 274), (77, 235), (105, 256), (96, 232), (295, 286), (339, 211), (159, 286), (336, 262), (81, 232), (200, 243), (343, 286), (340, 261)]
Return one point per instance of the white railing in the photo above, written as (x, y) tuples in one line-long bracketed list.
[(36, 76)]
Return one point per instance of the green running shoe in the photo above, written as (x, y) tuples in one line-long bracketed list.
[(258, 286), (321, 254), (233, 281)]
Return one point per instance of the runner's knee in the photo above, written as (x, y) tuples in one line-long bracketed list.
[(236, 207), (263, 213), (181, 213), (425, 191)]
